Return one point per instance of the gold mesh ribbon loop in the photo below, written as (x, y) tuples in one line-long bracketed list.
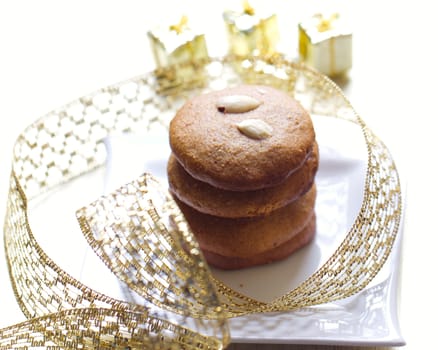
[(130, 229), (130, 235)]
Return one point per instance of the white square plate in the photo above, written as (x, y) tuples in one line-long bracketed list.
[(367, 318)]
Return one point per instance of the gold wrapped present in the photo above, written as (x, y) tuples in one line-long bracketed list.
[(325, 43), (177, 43), (251, 32)]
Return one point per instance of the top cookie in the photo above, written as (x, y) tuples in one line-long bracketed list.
[(242, 138)]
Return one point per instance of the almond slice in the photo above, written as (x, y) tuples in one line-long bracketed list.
[(255, 128), (237, 104)]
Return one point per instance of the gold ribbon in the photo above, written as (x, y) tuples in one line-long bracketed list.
[(163, 263)]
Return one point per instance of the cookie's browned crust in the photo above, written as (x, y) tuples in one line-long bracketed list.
[(210, 147), (233, 204), (281, 252), (247, 237)]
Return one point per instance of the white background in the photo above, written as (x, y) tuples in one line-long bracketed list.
[(52, 52)]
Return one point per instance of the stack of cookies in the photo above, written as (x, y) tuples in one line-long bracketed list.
[(242, 171)]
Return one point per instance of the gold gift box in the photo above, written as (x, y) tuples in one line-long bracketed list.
[(325, 43), (176, 44), (251, 32)]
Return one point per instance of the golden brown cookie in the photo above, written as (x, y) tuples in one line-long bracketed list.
[(280, 252), (246, 237), (242, 138), (235, 204)]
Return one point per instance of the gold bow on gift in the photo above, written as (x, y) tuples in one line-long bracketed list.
[(180, 26), (326, 22)]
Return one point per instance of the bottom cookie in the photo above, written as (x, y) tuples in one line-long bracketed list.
[(281, 252), (246, 237)]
